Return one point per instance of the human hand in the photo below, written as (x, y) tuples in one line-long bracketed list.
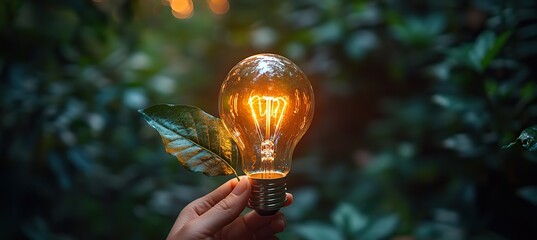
[(217, 216)]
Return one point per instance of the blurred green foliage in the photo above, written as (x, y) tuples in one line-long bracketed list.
[(415, 100)]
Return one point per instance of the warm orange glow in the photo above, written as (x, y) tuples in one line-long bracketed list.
[(182, 9), (218, 6), (267, 175), (268, 107), (266, 103)]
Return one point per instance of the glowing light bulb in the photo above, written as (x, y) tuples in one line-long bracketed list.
[(266, 103)]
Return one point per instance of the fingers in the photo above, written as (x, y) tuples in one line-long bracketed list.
[(220, 210), (203, 204), (254, 221), (252, 225), (225, 209), (255, 226), (276, 226)]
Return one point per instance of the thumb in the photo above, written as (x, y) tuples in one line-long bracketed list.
[(225, 211)]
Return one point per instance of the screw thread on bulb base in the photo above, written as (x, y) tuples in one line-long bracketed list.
[(268, 195)]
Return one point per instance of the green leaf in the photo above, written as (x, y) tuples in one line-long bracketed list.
[(486, 47), (381, 228), (495, 49), (347, 218), (317, 231), (528, 138), (529, 193), (200, 141)]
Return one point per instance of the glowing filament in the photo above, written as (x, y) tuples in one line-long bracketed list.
[(267, 107), (270, 108)]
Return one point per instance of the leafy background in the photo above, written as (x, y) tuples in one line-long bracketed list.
[(415, 100)]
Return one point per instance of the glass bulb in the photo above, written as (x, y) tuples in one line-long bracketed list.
[(266, 103)]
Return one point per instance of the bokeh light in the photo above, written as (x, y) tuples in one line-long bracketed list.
[(218, 6), (182, 9)]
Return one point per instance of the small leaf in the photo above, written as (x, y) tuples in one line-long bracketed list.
[(528, 138), (529, 193), (317, 231), (200, 141), (486, 47), (381, 228), (305, 200), (495, 49), (347, 218)]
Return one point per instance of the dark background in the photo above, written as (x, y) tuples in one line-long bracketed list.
[(414, 101)]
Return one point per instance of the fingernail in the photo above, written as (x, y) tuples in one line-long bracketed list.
[(241, 187)]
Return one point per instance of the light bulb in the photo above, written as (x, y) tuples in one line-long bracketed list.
[(266, 102)]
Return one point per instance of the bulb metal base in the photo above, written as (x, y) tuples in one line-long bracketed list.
[(268, 195)]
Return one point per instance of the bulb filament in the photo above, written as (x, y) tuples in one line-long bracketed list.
[(268, 107), (272, 110)]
